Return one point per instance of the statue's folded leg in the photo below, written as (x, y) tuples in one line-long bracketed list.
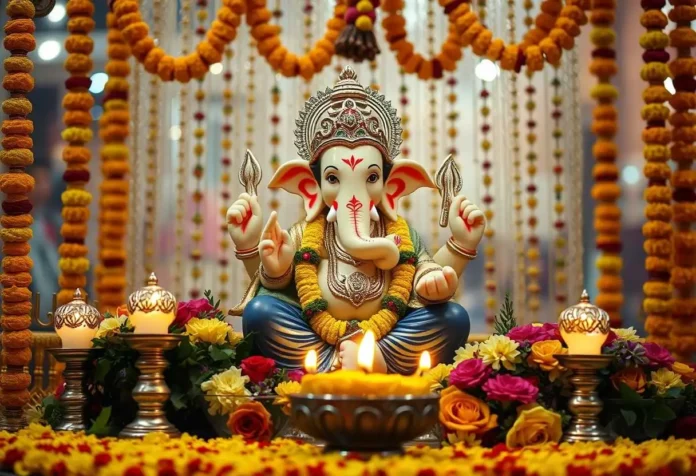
[(440, 329), (281, 334)]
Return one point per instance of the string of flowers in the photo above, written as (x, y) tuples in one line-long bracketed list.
[(198, 169), (115, 155), (307, 9), (606, 190), (434, 152), (409, 60), (276, 96), (279, 57), (183, 153), (77, 102), (225, 165), (250, 113), (152, 151), (683, 152), (657, 229), (194, 65), (405, 132), (16, 219), (559, 262)]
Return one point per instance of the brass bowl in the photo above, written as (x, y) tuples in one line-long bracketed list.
[(364, 425)]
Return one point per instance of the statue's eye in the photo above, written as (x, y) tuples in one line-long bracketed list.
[(372, 178), (332, 179)]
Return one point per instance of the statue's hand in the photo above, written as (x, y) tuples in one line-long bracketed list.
[(276, 248), (244, 222), (438, 285), (467, 223), (348, 355)]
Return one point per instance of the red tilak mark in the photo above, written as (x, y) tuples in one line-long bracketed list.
[(468, 225), (412, 172), (245, 221), (353, 162), (302, 187), (354, 205), (397, 240), (400, 187), (334, 205), (293, 172)]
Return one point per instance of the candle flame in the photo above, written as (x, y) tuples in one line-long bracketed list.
[(366, 352), (425, 362), (310, 363)]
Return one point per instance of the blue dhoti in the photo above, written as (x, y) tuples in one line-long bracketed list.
[(280, 333)]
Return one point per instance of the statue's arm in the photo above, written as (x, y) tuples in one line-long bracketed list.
[(446, 257)]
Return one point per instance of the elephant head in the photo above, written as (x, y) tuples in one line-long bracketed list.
[(354, 183)]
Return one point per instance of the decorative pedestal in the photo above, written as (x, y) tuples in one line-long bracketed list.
[(151, 391), (74, 398), (585, 403)]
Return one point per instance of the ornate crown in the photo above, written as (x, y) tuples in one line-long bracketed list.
[(347, 114)]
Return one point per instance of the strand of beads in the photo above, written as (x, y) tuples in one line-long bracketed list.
[(78, 102), (16, 220), (113, 131), (307, 9), (559, 263), (432, 89), (606, 190), (683, 151), (275, 119), (405, 132), (225, 165), (183, 153), (657, 230), (250, 115), (198, 169)]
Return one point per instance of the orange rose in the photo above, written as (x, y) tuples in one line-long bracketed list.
[(631, 376), (687, 372), (542, 355), (251, 421), (460, 412)]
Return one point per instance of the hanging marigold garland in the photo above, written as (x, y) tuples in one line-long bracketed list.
[(433, 145), (16, 220), (657, 229), (184, 68), (683, 152), (278, 56), (559, 224), (606, 190), (78, 102), (405, 132), (113, 203), (225, 176)]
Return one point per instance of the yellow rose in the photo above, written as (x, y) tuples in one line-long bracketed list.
[(234, 337), (633, 377), (211, 331), (535, 425), (460, 412), (542, 355), (437, 375), (664, 379), (687, 372), (284, 390)]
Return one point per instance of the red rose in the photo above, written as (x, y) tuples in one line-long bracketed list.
[(251, 421), (60, 390), (258, 368), (190, 309)]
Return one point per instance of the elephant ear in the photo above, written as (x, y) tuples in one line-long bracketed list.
[(296, 177), (406, 177)]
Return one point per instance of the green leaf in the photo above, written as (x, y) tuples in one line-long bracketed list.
[(505, 320), (653, 428), (629, 395), (102, 370), (217, 354), (100, 426), (662, 412), (178, 400), (629, 416)]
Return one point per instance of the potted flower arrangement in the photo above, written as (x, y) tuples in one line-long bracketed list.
[(510, 389)]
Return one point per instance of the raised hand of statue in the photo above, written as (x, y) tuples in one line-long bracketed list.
[(439, 285), (276, 249), (467, 222), (244, 222)]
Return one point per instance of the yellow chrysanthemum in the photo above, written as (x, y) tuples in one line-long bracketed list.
[(467, 352), (663, 379), (110, 326), (464, 438), (284, 390), (497, 350), (226, 391), (211, 331), (628, 334), (437, 376)]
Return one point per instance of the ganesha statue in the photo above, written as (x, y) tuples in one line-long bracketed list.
[(353, 264)]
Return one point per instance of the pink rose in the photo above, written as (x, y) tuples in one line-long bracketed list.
[(190, 309), (658, 355), (531, 334), (469, 374), (508, 388), (258, 368), (296, 375)]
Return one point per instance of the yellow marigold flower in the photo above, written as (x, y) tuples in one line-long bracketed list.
[(534, 426), (499, 350), (211, 331), (437, 375), (284, 390), (687, 372), (628, 334), (663, 379), (226, 391), (466, 353)]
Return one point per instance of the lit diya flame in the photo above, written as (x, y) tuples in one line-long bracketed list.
[(425, 363), (310, 363), (366, 352)]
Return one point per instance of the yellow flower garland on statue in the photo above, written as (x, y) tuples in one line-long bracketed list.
[(314, 306)]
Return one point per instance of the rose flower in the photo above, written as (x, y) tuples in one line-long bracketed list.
[(508, 388), (190, 309), (251, 421), (542, 355), (460, 412), (469, 374), (257, 368), (535, 425), (633, 377)]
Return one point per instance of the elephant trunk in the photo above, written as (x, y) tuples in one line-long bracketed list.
[(353, 219)]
